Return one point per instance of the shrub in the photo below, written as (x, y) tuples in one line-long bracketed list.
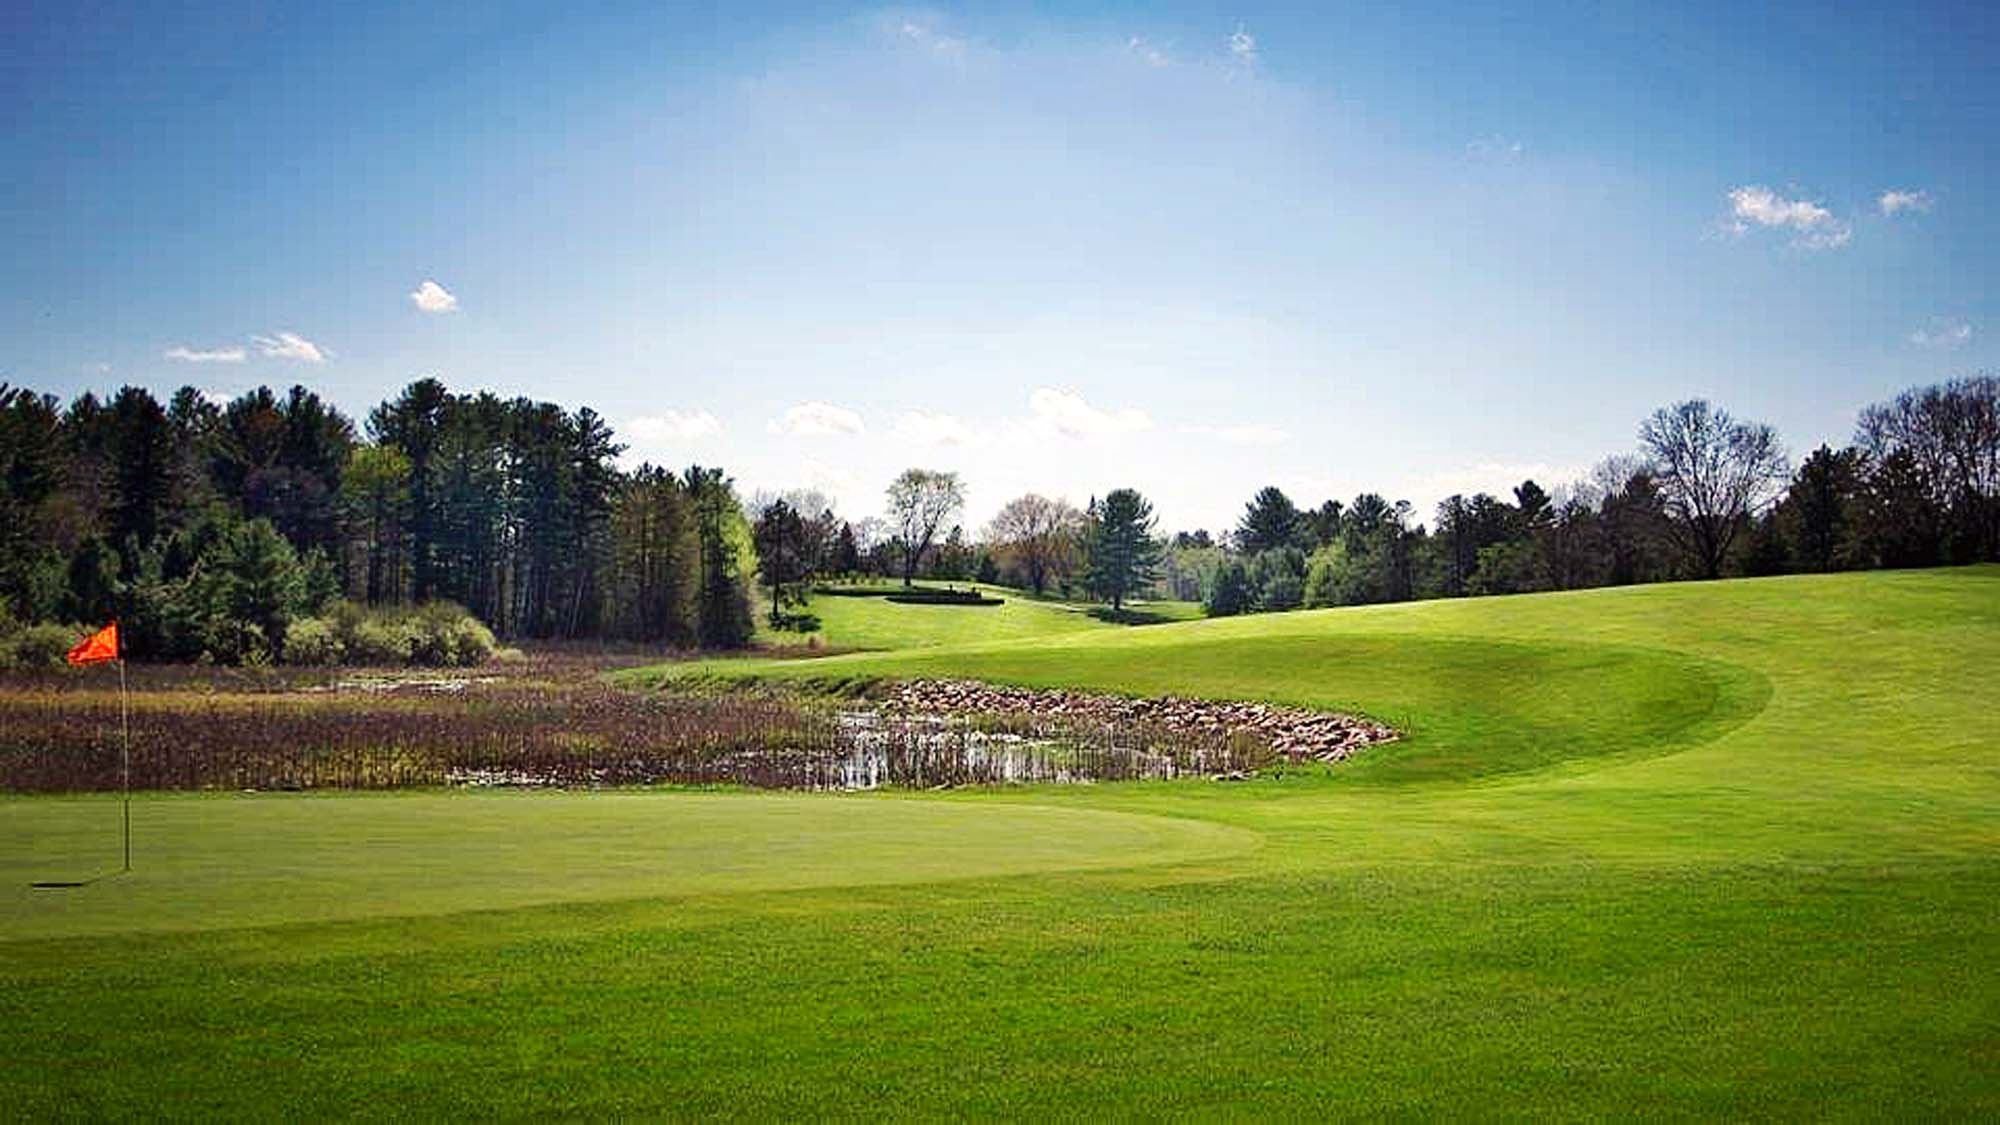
[(1322, 582), (468, 642), (39, 646), (313, 640), (941, 597), (1229, 591), (228, 640), (438, 635), (372, 640)]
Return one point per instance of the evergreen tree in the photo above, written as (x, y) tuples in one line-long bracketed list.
[(1904, 521), (375, 499), (846, 551), (1270, 522), (782, 557), (1124, 556), (656, 558), (410, 424), (723, 619), (1818, 513), (1278, 577), (33, 465), (139, 448), (1229, 591)]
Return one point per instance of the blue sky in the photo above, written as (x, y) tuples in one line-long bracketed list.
[(1190, 248)]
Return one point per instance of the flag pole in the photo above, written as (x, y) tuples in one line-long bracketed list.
[(125, 763)]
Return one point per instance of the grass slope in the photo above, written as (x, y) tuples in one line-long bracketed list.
[(1694, 850), (876, 623)]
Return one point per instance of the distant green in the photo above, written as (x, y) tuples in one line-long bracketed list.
[(1705, 850), (875, 623)]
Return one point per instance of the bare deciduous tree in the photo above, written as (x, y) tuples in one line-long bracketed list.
[(920, 502), (1952, 432), (1714, 472), (1039, 535)]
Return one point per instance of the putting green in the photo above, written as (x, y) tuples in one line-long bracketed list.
[(217, 862)]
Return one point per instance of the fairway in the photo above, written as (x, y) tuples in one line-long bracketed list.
[(1721, 849), (877, 623)]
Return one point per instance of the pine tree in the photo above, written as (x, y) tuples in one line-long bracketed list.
[(1124, 554)]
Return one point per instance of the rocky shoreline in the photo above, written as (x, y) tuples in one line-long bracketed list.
[(1295, 733)]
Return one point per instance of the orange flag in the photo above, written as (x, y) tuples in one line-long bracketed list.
[(96, 648)]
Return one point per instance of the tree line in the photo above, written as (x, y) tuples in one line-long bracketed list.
[(1704, 495), (207, 528)]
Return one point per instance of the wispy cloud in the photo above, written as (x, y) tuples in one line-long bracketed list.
[(433, 298), (1895, 202), (674, 425), (1813, 227), (1944, 333), (817, 419), (1495, 147), (185, 354), (923, 34), (1147, 52), (1067, 413), (291, 345), (925, 428), (1243, 46)]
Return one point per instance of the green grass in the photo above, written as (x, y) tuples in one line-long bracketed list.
[(876, 623), (207, 863), (1710, 850)]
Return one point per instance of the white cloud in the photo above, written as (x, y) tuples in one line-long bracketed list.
[(674, 425), (1895, 202), (186, 354), (1944, 333), (433, 298), (817, 419), (1147, 53), (1243, 47), (214, 397), (927, 37), (291, 345), (925, 428), (1495, 147), (1813, 227), (1066, 412)]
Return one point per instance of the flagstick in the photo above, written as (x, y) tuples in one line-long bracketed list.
[(125, 727)]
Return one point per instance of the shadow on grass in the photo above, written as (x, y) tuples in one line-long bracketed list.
[(1130, 616)]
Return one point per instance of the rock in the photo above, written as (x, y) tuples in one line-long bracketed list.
[(1294, 733)]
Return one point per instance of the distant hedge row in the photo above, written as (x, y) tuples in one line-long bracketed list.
[(942, 597)]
